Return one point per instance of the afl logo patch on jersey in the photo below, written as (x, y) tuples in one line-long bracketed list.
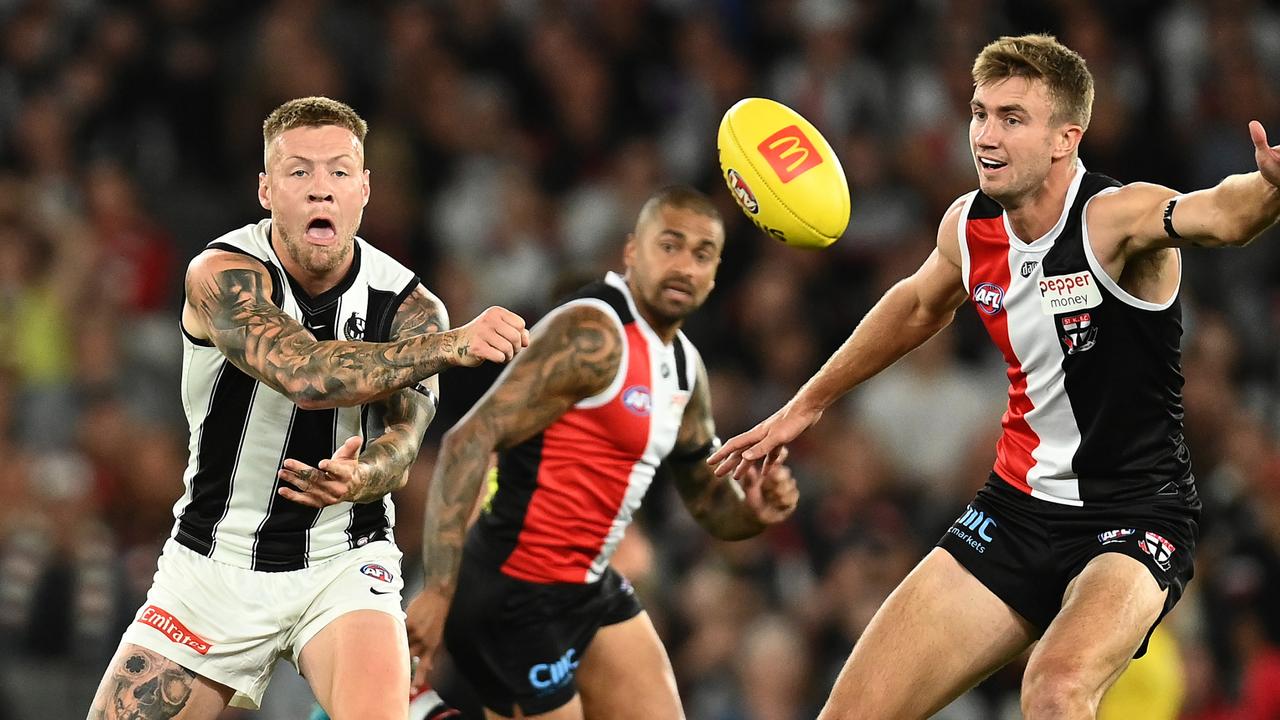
[(377, 572), (638, 399), (989, 298)]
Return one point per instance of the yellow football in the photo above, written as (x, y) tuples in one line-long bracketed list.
[(783, 173)]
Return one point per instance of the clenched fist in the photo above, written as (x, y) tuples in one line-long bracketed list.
[(496, 335)]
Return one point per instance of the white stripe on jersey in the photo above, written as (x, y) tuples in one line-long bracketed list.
[(1036, 344)]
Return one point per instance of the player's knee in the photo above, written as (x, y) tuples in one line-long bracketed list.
[(1054, 691)]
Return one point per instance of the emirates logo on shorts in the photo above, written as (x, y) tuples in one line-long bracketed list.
[(167, 624)]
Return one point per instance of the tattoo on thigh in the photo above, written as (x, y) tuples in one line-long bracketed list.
[(143, 685)]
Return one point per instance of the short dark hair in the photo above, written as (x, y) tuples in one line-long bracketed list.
[(681, 197), (1041, 57), (311, 112)]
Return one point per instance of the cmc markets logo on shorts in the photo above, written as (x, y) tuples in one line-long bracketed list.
[(1158, 548), (637, 399), (989, 298), (377, 572), (974, 527), (547, 677), (742, 192), (167, 624), (790, 153)]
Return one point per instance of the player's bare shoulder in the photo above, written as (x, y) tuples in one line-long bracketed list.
[(583, 340), (218, 280), (949, 229)]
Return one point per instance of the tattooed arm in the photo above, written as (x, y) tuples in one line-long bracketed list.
[(383, 467), (573, 355), (406, 413), (229, 304), (726, 512)]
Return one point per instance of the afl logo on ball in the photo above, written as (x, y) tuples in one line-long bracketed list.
[(377, 572), (637, 399), (989, 298), (745, 197)]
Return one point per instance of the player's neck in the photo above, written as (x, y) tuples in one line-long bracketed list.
[(1035, 214), (665, 329)]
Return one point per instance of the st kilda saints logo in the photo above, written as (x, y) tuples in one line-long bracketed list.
[(1078, 333), (353, 328)]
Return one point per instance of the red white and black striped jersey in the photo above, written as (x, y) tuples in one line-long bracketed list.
[(1095, 377), (565, 497), (242, 430)]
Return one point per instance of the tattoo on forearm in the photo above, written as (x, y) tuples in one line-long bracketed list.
[(575, 356), (143, 685), (406, 413), (273, 347)]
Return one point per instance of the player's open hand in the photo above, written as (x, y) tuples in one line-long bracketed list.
[(335, 480), (763, 442), (1268, 156), (771, 494), (496, 335), (424, 621)]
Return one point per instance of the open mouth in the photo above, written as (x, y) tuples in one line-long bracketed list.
[(321, 230), (678, 291), (990, 164)]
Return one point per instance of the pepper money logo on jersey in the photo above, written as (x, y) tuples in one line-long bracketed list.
[(989, 297), (638, 399)]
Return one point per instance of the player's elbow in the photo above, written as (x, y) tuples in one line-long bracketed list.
[(310, 397)]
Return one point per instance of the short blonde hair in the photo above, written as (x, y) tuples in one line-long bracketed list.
[(1041, 57), (311, 112)]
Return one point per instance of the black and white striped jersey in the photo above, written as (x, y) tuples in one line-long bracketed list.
[(243, 430)]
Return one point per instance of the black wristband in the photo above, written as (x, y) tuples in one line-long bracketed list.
[(1168, 219)]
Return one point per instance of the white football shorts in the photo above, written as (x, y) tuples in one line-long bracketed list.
[(231, 624)]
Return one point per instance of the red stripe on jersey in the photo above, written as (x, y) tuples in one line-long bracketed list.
[(588, 458), (989, 280)]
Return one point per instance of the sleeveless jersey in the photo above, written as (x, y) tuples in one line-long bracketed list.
[(243, 430), (565, 497), (1095, 375)]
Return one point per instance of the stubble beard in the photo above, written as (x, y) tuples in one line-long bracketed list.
[(317, 260)]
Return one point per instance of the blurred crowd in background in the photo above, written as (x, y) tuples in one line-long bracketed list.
[(511, 143)]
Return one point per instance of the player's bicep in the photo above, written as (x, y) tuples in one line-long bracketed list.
[(231, 296), (574, 354), (697, 425), (1138, 217), (420, 313)]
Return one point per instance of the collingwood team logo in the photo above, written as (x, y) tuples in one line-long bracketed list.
[(353, 328)]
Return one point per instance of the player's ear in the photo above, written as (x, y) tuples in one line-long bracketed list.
[(1067, 140), (264, 191), (629, 251), (364, 189)]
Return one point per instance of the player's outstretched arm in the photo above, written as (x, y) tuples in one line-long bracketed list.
[(726, 509), (383, 467), (906, 316), (229, 296), (1230, 214), (574, 354)]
